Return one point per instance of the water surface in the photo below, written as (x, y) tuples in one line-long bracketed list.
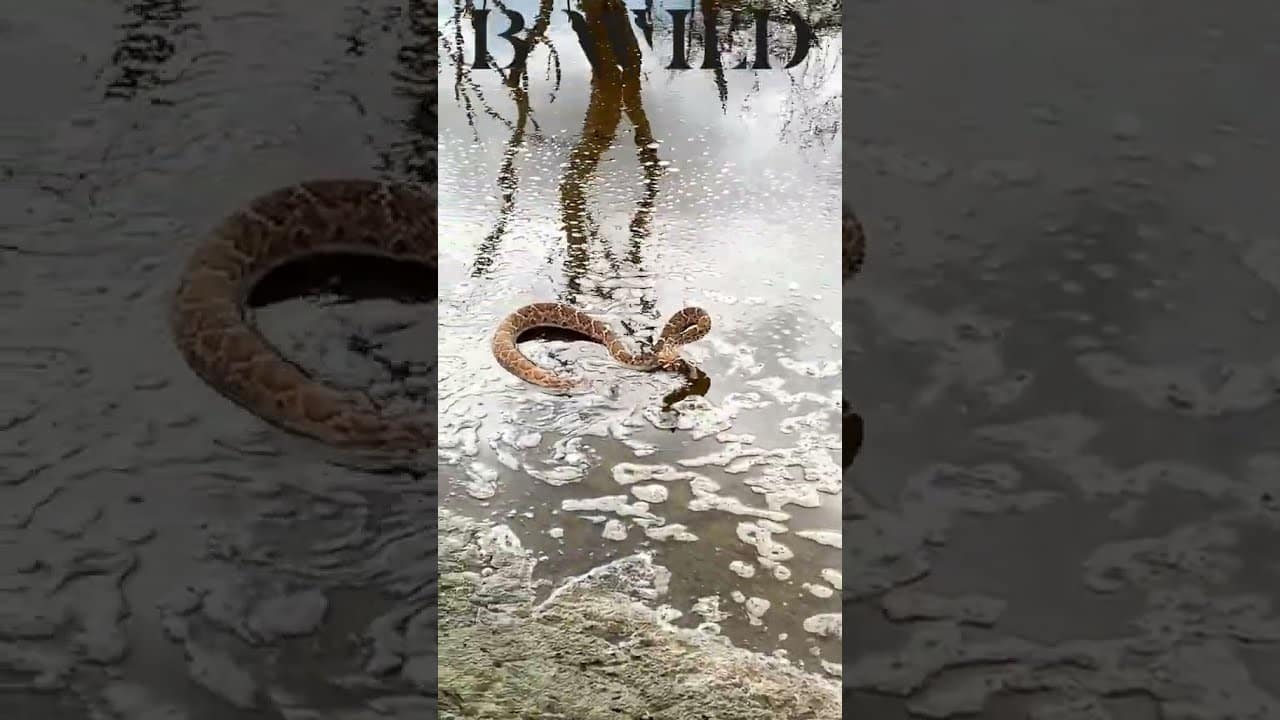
[(631, 191), (162, 552), (1064, 348)]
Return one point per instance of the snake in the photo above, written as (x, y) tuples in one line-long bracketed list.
[(684, 326), (217, 337)]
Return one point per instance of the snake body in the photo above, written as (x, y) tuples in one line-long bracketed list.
[(216, 336), (685, 326), (218, 340)]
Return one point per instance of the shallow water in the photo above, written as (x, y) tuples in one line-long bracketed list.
[(1064, 349), (1072, 275), (163, 553), (631, 206)]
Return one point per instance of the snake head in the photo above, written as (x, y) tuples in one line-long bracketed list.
[(668, 356), (686, 326)]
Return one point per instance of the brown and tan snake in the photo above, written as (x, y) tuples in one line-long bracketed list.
[(215, 335), (218, 339), (685, 326)]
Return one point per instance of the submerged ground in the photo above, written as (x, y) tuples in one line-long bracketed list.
[(594, 649)]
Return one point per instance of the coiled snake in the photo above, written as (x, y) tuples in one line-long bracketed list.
[(221, 344), (684, 327), (217, 338)]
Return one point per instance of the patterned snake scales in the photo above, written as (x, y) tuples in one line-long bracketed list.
[(218, 339)]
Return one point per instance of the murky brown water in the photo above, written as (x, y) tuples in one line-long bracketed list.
[(631, 192)]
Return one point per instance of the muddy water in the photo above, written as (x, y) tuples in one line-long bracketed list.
[(162, 553), (1064, 349), (632, 191)]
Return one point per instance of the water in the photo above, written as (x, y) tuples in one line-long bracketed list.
[(631, 204), (1063, 347), (165, 554)]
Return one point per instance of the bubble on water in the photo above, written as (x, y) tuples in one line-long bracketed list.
[(640, 448), (673, 531), (557, 476), (705, 499), (697, 415), (650, 493), (781, 489), (822, 537), (616, 504), (779, 571), (819, 591), (833, 577), (774, 386), (631, 473), (506, 458), (825, 625), (760, 534), (482, 481), (816, 420), (756, 607), (814, 369), (615, 530), (527, 440), (812, 454)]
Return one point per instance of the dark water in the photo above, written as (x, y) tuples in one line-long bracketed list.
[(631, 191), (163, 553), (166, 554), (1064, 349)]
